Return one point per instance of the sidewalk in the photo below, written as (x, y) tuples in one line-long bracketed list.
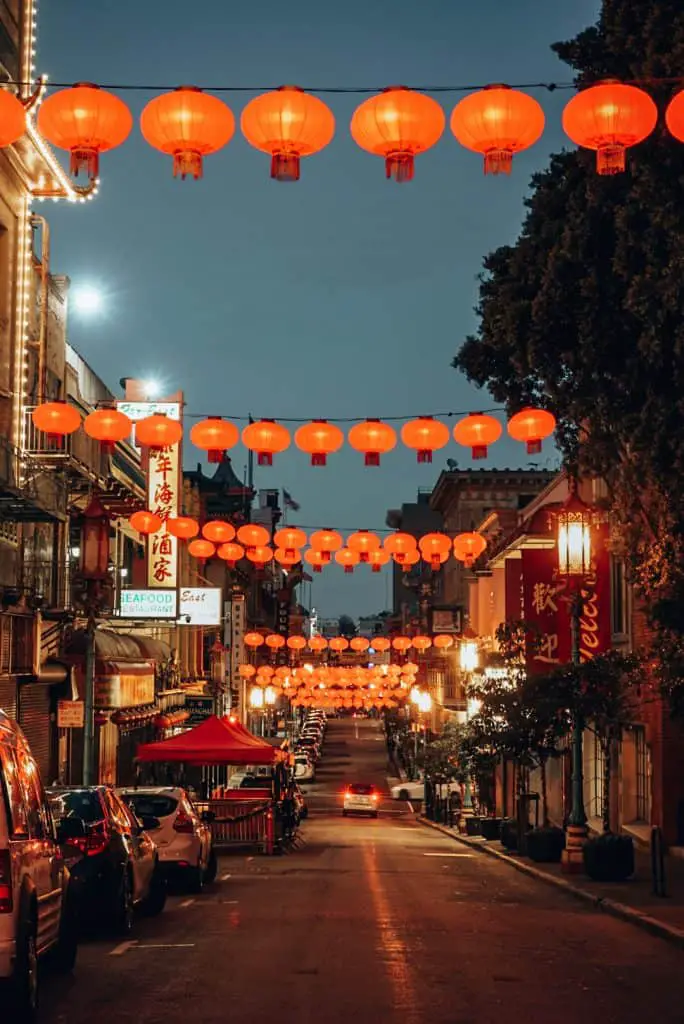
[(631, 901)]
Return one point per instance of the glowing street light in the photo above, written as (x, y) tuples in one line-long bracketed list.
[(87, 300)]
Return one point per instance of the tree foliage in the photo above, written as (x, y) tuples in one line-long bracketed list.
[(584, 314), (346, 625)]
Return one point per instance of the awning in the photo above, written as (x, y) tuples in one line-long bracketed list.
[(214, 741)]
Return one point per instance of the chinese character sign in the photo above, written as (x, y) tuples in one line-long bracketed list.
[(544, 607), (163, 494)]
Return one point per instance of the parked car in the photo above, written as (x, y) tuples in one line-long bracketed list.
[(309, 744), (360, 798), (183, 834), (38, 911), (304, 768), (301, 806), (408, 790), (115, 863)]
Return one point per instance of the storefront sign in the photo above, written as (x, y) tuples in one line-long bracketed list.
[(200, 606), (124, 690), (140, 410), (70, 714), (234, 634), (199, 709), (163, 497), (446, 620), (148, 604)]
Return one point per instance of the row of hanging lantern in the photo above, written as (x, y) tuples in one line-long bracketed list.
[(319, 439), (330, 685), (220, 539), (397, 125), (356, 644)]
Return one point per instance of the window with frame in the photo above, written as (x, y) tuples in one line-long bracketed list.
[(619, 616), (642, 775)]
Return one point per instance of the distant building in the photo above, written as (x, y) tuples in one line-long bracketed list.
[(408, 594), (374, 625)]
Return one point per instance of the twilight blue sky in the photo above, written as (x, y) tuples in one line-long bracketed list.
[(342, 295)]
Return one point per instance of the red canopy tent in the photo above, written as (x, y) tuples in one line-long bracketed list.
[(212, 742)]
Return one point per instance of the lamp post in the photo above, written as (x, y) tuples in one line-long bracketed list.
[(469, 657), (574, 559), (94, 571)]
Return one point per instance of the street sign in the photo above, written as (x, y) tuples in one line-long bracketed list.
[(148, 604), (200, 606), (70, 714), (200, 708)]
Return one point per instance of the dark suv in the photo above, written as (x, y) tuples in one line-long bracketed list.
[(114, 866)]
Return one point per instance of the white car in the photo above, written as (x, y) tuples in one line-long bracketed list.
[(360, 798), (303, 768), (37, 906), (408, 791), (181, 833)]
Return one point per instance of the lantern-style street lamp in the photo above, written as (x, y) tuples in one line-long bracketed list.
[(574, 524), (94, 547)]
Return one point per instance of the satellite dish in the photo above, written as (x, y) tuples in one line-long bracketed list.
[(452, 463)]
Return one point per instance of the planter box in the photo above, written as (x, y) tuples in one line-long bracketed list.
[(545, 845), (509, 833), (472, 826), (490, 828), (609, 858)]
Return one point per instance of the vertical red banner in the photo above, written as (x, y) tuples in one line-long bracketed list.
[(545, 609), (513, 582)]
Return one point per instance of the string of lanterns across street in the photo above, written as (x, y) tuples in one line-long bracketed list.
[(288, 123)]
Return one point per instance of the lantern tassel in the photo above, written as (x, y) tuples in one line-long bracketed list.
[(376, 568), (372, 459), (611, 159), (265, 459), (425, 455), (318, 568), (349, 568), (364, 556), (534, 447), (285, 166), (83, 158), (216, 455), (185, 162), (319, 459), (399, 166), (479, 451), (498, 161)]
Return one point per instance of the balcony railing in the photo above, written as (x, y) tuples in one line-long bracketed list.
[(77, 451), (27, 493)]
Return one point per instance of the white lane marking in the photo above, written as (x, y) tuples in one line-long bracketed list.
[(123, 947), (168, 945), (230, 901), (224, 878), (448, 854), (250, 858), (186, 903)]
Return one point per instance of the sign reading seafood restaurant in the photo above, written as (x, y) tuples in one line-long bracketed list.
[(148, 604)]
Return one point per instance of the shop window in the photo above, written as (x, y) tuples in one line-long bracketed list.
[(619, 603), (593, 775), (643, 781)]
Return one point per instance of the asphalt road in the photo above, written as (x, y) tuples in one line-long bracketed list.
[(377, 921)]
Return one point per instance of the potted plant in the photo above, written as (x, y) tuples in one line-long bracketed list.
[(509, 833), (609, 857), (545, 845), (490, 828)]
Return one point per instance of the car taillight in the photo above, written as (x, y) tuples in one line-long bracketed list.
[(184, 824), (5, 883), (96, 841), (374, 796)]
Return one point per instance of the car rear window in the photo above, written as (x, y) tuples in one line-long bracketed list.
[(360, 789), (81, 803), (151, 805)]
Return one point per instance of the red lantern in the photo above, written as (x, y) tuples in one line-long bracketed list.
[(497, 121), (425, 436), (316, 559), (231, 554), (253, 640), (182, 527), (296, 643), (12, 118), (259, 555), (468, 547), (287, 557), (289, 124), (363, 542), (421, 643), (359, 644), (408, 560), (398, 545), (338, 644), (95, 542), (318, 643), (435, 549), (610, 117), (674, 116), (381, 643), (397, 125), (57, 420), (251, 535), (326, 541), (146, 522), (290, 538), (218, 532), (443, 642), (86, 121), (531, 426), (214, 436), (319, 439), (266, 438), (377, 559), (347, 558), (158, 431), (373, 438), (188, 125), (108, 426), (477, 432), (274, 641), (401, 643), (201, 550)]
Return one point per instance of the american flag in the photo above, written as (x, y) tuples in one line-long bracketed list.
[(289, 502)]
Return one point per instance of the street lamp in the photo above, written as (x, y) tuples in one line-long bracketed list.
[(94, 571), (468, 651), (574, 523), (469, 656)]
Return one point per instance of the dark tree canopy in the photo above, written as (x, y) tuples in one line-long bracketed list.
[(584, 315), (346, 626)]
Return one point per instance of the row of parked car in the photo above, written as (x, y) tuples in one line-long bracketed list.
[(72, 856), (309, 744)]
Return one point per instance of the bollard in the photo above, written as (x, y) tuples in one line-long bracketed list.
[(658, 862)]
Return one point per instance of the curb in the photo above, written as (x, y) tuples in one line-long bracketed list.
[(620, 910)]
